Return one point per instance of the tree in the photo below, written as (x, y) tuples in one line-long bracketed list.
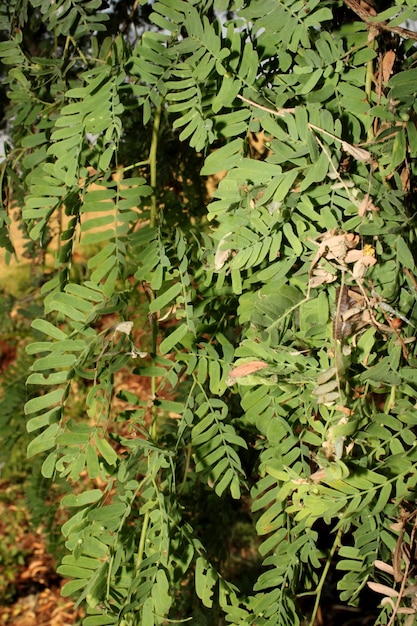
[(281, 353)]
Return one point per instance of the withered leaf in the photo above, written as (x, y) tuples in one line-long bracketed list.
[(358, 153), (387, 65), (366, 205), (383, 590), (348, 314), (320, 276), (384, 567), (336, 246), (247, 368), (222, 253)]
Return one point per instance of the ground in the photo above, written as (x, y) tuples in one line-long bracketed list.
[(29, 585)]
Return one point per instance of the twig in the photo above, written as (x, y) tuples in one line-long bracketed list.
[(279, 112), (370, 17), (404, 580), (358, 153), (152, 163), (411, 277), (130, 16), (322, 580), (335, 171)]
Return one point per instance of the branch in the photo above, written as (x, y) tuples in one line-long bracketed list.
[(369, 16), (130, 16), (405, 578), (279, 112)]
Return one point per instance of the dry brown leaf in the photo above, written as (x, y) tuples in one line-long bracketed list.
[(411, 591), (361, 266), (221, 258), (318, 476), (345, 410), (222, 253), (353, 255), (405, 179), (336, 246), (247, 368), (387, 65), (383, 590), (384, 567), (389, 601), (124, 327), (366, 205), (320, 277), (362, 259), (358, 153)]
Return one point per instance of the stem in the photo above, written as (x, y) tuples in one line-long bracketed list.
[(404, 580), (152, 164), (284, 315), (280, 112), (369, 77), (142, 540), (134, 165), (78, 49), (130, 16), (335, 546), (153, 221), (187, 466)]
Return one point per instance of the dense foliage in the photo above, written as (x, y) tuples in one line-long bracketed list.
[(280, 344)]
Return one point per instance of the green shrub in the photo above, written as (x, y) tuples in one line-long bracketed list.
[(280, 348)]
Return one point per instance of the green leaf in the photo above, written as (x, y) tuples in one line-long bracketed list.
[(160, 594), (42, 402), (398, 150), (381, 373), (54, 361), (82, 499), (49, 417), (224, 158), (205, 579), (93, 467), (110, 513), (49, 329), (404, 255), (93, 547), (383, 498), (48, 466), (73, 571), (227, 93), (292, 239), (45, 441), (317, 172), (99, 620), (72, 587), (105, 449), (166, 298), (173, 339)]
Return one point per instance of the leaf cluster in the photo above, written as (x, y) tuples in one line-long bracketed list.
[(279, 349)]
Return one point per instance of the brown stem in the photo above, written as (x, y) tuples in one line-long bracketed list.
[(369, 16)]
